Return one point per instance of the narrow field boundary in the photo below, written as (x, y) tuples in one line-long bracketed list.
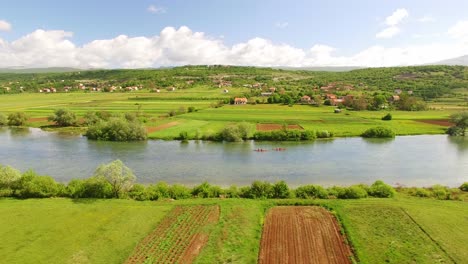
[(429, 236), (272, 127), (162, 127), (438, 122)]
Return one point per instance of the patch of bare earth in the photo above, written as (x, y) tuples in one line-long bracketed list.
[(272, 127), (302, 234), (439, 122), (161, 127)]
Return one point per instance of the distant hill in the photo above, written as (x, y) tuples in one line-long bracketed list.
[(463, 60), (38, 70), (324, 69)]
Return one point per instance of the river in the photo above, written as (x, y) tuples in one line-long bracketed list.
[(407, 160)]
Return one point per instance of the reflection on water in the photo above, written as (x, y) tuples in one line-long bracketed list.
[(381, 141), (20, 131), (412, 160), (460, 142)]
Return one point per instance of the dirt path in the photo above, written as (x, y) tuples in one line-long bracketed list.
[(302, 234), (161, 127), (271, 127)]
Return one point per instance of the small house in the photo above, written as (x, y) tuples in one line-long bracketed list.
[(330, 96), (306, 99), (394, 98), (240, 101), (398, 91)]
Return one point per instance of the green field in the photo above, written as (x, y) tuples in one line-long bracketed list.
[(208, 120), (397, 230)]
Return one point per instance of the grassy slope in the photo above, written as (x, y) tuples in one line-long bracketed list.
[(106, 231), (63, 231)]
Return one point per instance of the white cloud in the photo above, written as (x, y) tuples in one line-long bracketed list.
[(5, 26), (281, 25), (156, 9), (182, 46), (459, 30), (426, 19), (388, 32), (397, 17), (392, 23)]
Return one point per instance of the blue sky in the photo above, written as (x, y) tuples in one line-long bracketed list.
[(340, 30)]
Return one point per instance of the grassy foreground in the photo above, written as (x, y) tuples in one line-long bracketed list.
[(397, 230)]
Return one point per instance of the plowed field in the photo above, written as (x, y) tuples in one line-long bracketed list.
[(178, 238), (302, 234)]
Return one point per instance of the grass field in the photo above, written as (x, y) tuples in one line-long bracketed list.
[(398, 230), (208, 120)]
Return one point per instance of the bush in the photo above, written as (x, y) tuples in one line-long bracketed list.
[(3, 119), (63, 118), (464, 187), (96, 187), (232, 192), (178, 192), (381, 190), (205, 190), (138, 192), (262, 190), (158, 191), (191, 109), (387, 117), (461, 123), (421, 192), (117, 129), (183, 135), (440, 192), (353, 192), (235, 133), (324, 134), (31, 185), (285, 135), (17, 119), (311, 192), (8, 178), (378, 132), (281, 190)]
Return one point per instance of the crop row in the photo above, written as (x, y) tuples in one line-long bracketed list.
[(169, 242)]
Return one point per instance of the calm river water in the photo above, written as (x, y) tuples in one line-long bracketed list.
[(410, 160)]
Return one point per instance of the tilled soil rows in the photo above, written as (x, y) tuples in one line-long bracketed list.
[(302, 234), (179, 237)]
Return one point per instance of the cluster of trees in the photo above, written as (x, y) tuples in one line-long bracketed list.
[(460, 121), (115, 180), (13, 119), (290, 135), (127, 128)]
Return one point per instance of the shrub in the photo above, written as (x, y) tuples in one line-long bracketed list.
[(232, 192), (119, 176), (387, 117), (285, 135), (117, 129), (63, 118), (461, 123), (31, 185), (191, 109), (378, 132), (96, 187), (353, 192), (138, 192), (183, 135), (8, 178), (3, 119), (421, 192), (464, 187), (263, 190), (324, 134), (281, 190), (178, 191), (381, 190), (17, 119), (440, 192), (312, 192), (158, 191), (205, 190)]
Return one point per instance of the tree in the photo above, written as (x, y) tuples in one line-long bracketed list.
[(8, 178), (63, 117), (17, 119), (461, 123), (119, 176)]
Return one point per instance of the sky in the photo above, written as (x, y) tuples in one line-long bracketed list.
[(298, 33)]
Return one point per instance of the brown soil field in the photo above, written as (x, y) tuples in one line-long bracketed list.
[(38, 119), (178, 238), (161, 127), (439, 122), (302, 234), (271, 127)]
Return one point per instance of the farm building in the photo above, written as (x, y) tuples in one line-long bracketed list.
[(306, 99), (240, 101)]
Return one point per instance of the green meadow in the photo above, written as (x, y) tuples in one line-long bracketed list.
[(209, 119), (381, 230)]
